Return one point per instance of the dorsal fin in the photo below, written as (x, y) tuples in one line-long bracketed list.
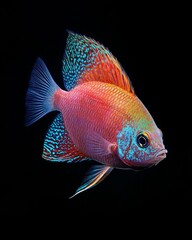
[(87, 60)]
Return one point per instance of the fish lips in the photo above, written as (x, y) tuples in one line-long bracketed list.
[(160, 155)]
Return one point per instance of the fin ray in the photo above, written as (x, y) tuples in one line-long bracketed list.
[(99, 146), (58, 145), (87, 60), (94, 176), (40, 92)]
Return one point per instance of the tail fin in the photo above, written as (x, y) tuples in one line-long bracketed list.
[(39, 97)]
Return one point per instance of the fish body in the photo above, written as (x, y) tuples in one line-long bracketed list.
[(100, 119)]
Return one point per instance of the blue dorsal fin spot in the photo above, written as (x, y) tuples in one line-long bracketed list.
[(76, 59), (58, 145)]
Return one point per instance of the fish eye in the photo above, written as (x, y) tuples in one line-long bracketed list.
[(143, 140)]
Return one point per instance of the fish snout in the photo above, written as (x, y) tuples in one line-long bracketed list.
[(160, 155)]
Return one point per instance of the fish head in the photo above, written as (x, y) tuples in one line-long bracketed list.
[(140, 146)]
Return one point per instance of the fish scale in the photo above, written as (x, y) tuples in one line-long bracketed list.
[(115, 105), (100, 118)]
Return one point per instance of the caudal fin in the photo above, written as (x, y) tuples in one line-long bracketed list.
[(39, 97)]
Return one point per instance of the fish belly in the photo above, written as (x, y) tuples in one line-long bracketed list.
[(89, 111)]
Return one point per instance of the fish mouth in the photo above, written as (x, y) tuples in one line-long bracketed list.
[(141, 168), (160, 155)]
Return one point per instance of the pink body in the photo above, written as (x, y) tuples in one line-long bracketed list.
[(100, 118), (97, 107)]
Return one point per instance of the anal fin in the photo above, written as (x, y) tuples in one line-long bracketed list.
[(58, 145)]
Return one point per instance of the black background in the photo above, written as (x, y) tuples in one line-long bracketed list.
[(150, 42)]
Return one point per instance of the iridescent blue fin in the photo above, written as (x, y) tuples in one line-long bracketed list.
[(39, 97), (58, 145), (87, 60), (95, 175)]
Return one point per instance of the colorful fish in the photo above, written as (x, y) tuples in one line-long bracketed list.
[(100, 117)]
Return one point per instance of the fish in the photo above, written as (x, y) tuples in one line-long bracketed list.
[(99, 117)]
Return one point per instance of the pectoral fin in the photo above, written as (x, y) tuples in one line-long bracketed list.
[(94, 176)]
